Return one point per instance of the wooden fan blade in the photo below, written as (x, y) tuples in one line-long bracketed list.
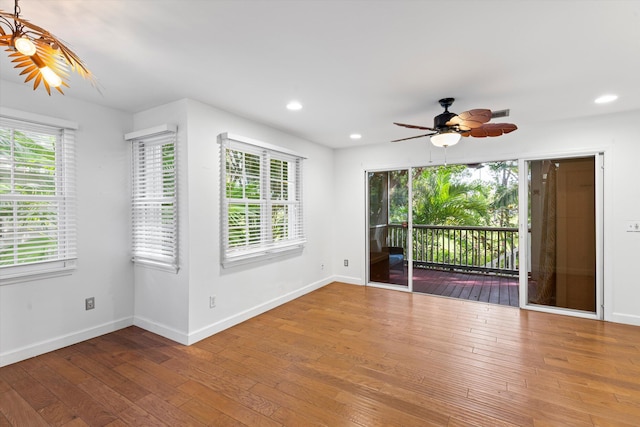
[(413, 126), (471, 119), (413, 137), (492, 129)]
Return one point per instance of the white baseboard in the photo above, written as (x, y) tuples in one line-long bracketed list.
[(627, 319), (230, 321), (349, 280), (180, 337), (56, 343)]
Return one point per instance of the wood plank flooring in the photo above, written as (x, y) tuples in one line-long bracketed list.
[(344, 355), (489, 288)]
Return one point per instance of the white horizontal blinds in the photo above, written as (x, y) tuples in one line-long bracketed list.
[(285, 191), (244, 200), (155, 209), (261, 201), (37, 195)]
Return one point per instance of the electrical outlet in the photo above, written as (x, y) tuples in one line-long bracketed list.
[(321, 266), (212, 301), (90, 303), (346, 263)]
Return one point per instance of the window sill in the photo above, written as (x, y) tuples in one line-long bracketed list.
[(248, 258), (27, 273), (154, 265)]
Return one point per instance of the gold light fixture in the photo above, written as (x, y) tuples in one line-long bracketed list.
[(41, 56)]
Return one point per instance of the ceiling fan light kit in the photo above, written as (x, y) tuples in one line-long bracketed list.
[(42, 57), (445, 139), (448, 128)]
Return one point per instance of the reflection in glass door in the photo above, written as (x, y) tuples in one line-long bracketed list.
[(388, 217), (562, 237)]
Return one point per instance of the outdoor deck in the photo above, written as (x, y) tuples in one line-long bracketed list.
[(488, 288)]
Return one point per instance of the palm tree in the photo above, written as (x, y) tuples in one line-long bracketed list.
[(442, 197)]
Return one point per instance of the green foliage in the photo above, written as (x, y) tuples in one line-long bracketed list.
[(453, 195), (504, 200), (246, 200), (442, 196), (378, 196), (398, 196), (29, 171)]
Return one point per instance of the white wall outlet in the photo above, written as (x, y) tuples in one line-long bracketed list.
[(346, 263), (212, 301), (90, 303), (633, 226)]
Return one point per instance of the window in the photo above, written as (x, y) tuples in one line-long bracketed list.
[(261, 199), (154, 205), (37, 200)]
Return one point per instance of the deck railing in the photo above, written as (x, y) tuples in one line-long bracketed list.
[(481, 249)]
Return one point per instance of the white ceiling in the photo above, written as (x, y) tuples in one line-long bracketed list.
[(356, 66)]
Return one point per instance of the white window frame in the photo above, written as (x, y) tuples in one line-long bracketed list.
[(263, 244), (62, 199), (154, 205)]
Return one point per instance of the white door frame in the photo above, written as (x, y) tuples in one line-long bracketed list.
[(523, 210)]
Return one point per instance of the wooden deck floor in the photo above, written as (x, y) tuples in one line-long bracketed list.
[(488, 288), (344, 355)]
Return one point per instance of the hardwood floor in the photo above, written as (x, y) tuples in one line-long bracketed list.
[(344, 356)]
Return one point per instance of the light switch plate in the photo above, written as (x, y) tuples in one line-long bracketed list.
[(633, 226)]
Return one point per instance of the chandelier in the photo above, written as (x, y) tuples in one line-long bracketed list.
[(41, 56)]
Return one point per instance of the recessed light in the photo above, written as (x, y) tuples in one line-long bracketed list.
[(605, 99), (355, 136), (294, 106)]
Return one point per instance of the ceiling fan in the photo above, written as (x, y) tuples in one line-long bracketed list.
[(449, 127)]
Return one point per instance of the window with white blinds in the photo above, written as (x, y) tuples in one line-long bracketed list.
[(37, 200), (261, 206), (155, 203)]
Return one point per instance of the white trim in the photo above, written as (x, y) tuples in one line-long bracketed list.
[(261, 144), (66, 268), (599, 157), (146, 133), (248, 257), (238, 318), (37, 118), (523, 233), (390, 287), (52, 344), (173, 334), (627, 319), (350, 280), (157, 265), (561, 310), (599, 223)]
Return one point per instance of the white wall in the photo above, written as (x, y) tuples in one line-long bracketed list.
[(162, 298), (614, 134), (177, 306), (41, 315)]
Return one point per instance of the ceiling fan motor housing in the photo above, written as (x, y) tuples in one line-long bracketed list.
[(440, 121)]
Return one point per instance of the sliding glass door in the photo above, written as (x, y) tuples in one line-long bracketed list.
[(563, 217), (388, 194)]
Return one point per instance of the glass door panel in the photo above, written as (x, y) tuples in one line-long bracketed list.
[(562, 237), (388, 216)]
